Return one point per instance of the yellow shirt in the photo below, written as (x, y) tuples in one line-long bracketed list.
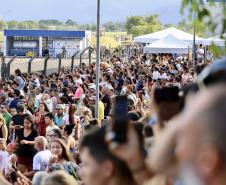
[(101, 111)]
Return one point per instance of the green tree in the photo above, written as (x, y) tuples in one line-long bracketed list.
[(12, 24), (138, 25), (51, 22), (23, 25), (70, 22), (202, 13), (110, 26), (134, 21), (31, 24), (3, 25)]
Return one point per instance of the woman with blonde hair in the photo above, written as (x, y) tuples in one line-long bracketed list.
[(3, 128)]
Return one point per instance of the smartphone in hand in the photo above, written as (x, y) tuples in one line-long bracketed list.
[(18, 127)]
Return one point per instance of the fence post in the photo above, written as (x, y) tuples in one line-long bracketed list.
[(45, 64), (81, 54), (90, 54), (29, 64), (60, 61), (73, 60), (9, 66)]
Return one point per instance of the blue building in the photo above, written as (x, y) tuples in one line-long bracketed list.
[(43, 42)]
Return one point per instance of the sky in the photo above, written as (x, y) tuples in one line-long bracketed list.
[(84, 11)]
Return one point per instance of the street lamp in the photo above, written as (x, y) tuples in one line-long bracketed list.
[(2, 29), (3, 16), (97, 61), (194, 47)]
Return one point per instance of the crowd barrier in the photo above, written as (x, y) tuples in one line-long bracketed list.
[(47, 65)]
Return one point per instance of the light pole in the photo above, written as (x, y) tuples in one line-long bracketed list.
[(194, 47), (3, 16), (2, 29), (97, 60)]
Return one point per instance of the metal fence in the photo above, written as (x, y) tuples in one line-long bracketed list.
[(48, 65)]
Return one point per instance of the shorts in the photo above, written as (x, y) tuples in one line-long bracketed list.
[(27, 161)]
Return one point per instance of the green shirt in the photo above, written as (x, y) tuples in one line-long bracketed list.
[(7, 116)]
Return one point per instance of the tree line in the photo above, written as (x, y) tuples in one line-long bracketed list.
[(134, 25)]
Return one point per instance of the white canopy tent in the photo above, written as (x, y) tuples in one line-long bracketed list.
[(169, 44), (181, 35), (214, 40)]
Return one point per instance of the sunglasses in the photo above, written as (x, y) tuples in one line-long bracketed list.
[(52, 135)]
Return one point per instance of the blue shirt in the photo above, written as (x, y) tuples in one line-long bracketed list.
[(14, 103), (21, 83), (59, 120)]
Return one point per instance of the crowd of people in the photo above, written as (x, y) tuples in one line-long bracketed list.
[(49, 133)]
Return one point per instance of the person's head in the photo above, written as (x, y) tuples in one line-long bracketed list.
[(13, 111), (40, 143), (49, 118), (68, 130), (105, 90), (99, 165), (88, 80), (43, 107), (129, 88), (18, 72), (58, 178), (28, 122), (59, 149), (17, 92), (107, 77), (59, 109), (72, 109), (38, 90), (11, 148), (166, 103), (20, 108), (201, 139), (38, 178), (46, 95), (92, 100), (3, 108), (55, 133)]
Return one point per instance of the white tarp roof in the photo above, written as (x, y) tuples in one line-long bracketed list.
[(169, 44), (181, 35), (214, 40)]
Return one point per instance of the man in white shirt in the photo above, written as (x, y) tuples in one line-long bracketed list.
[(200, 54), (41, 159), (156, 75)]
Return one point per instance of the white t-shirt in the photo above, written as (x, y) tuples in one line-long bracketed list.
[(200, 53), (3, 160), (164, 76), (179, 67), (156, 75), (37, 82), (41, 160), (133, 98)]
